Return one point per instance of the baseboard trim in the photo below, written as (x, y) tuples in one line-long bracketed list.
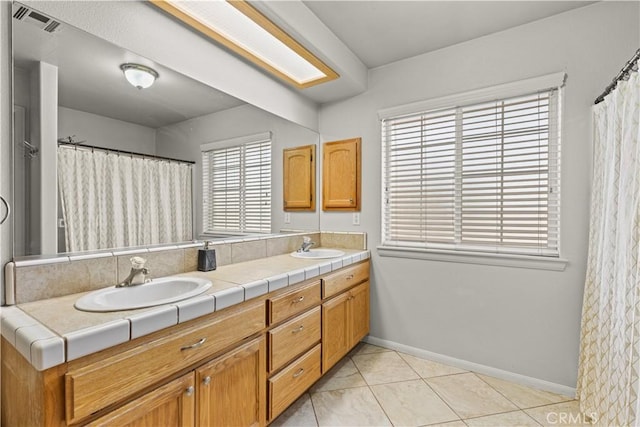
[(475, 367)]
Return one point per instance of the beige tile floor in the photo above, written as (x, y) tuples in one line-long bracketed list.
[(375, 386)]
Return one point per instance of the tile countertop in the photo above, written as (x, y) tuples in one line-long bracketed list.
[(52, 331)]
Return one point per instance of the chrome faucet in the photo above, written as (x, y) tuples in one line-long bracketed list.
[(138, 274), (306, 244)]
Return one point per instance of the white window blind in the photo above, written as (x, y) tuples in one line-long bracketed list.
[(237, 188), (481, 177)]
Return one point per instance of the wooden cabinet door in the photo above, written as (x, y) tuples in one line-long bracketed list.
[(335, 330), (359, 312), (232, 388), (341, 165), (299, 170), (172, 404)]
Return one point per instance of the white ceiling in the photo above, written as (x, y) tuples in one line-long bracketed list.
[(90, 79), (351, 36), (380, 32)]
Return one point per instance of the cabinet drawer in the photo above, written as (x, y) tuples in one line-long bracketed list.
[(296, 301), (292, 338), (288, 385), (344, 279), (118, 374)]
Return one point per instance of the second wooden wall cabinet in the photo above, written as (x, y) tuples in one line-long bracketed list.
[(341, 164)]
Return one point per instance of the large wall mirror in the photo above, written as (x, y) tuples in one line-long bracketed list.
[(68, 87)]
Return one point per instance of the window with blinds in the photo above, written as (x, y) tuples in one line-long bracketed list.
[(237, 188), (482, 177)]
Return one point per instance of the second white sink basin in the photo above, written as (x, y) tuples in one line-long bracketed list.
[(318, 253), (156, 292)]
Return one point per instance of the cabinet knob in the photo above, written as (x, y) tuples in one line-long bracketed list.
[(298, 329), (349, 277), (350, 201), (300, 372), (189, 391), (298, 300), (206, 380)]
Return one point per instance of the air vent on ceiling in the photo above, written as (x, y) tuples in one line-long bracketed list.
[(23, 13)]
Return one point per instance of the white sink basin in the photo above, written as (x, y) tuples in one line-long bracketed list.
[(157, 292), (318, 253)]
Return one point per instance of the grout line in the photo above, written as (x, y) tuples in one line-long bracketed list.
[(502, 413), (498, 391), (380, 405), (370, 389), (443, 400), (313, 408), (518, 406)]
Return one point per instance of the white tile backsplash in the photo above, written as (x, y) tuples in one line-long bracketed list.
[(325, 268), (278, 282), (13, 319), (90, 340), (228, 297), (255, 289), (47, 353), (195, 307), (27, 335), (311, 272), (296, 276), (153, 320)]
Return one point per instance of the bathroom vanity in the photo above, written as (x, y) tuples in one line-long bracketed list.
[(241, 365)]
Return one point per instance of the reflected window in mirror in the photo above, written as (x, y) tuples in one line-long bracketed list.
[(236, 185)]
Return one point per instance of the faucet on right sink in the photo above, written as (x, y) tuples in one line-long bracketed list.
[(306, 244)]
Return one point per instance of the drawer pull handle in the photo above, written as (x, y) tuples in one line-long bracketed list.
[(189, 391), (195, 345), (300, 372), (297, 300), (298, 329), (349, 277), (206, 380)]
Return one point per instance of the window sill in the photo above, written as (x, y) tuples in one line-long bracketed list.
[(502, 260)]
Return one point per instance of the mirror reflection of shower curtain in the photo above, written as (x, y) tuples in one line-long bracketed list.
[(113, 201)]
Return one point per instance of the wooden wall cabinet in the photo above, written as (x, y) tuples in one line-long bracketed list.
[(341, 170), (299, 172)]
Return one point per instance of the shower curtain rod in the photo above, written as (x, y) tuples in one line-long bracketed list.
[(129, 153), (631, 65)]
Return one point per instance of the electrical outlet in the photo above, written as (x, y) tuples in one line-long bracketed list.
[(356, 218), (287, 218)]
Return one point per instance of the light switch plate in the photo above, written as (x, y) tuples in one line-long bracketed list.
[(356, 218), (287, 218)]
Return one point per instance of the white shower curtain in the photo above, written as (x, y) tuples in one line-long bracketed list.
[(111, 201), (608, 381)]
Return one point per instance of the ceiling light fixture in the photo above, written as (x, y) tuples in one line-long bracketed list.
[(138, 75), (242, 28)]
